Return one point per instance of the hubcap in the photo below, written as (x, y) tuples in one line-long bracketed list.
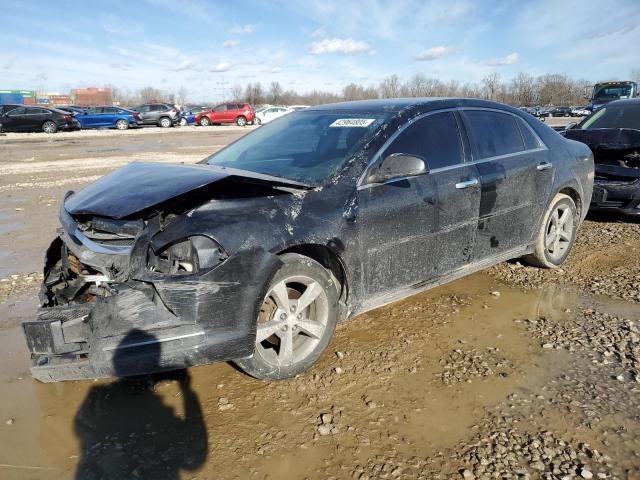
[(559, 232), (49, 127), (293, 319)]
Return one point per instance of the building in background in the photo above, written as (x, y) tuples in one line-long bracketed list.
[(88, 97), (27, 97)]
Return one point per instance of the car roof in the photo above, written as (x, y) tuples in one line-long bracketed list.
[(626, 102), (400, 104)]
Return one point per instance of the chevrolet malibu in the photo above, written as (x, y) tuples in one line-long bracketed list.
[(255, 254)]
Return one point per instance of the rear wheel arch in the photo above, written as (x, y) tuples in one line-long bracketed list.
[(575, 196)]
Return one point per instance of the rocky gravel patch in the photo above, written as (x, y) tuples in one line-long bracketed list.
[(19, 283), (466, 365), (605, 261)]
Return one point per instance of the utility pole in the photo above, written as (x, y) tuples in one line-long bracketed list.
[(222, 85)]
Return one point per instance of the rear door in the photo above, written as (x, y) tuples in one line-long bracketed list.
[(145, 115), (515, 180), (419, 228), (109, 116)]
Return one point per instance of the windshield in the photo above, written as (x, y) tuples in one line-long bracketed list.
[(307, 146), (614, 117), (611, 92)]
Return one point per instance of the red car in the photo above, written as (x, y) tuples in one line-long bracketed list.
[(238, 113)]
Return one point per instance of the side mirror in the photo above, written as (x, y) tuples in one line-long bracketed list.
[(569, 126), (397, 165)]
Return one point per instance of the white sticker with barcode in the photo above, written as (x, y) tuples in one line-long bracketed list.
[(353, 122)]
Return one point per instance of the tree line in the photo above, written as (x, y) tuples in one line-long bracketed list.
[(523, 90)]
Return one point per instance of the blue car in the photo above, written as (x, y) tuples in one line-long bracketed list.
[(109, 117), (188, 115)]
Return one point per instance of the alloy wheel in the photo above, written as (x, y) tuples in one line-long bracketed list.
[(49, 127), (122, 124), (559, 233), (292, 321)]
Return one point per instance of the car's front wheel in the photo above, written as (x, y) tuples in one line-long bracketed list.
[(241, 121), (49, 127), (122, 124), (296, 321), (205, 122), (165, 122), (557, 233)]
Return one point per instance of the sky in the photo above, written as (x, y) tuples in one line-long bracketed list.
[(207, 46)]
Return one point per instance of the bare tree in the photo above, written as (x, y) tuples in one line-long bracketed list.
[(181, 96), (491, 82), (150, 94), (236, 92), (390, 87), (275, 92)]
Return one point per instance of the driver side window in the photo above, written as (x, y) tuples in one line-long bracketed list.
[(436, 138)]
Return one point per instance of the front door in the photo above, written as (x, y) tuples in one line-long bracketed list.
[(415, 229)]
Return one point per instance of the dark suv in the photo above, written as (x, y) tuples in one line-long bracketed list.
[(560, 112), (161, 114), (232, 112)]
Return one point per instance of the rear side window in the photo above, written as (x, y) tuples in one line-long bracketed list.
[(531, 142), (18, 111), (436, 138), (494, 133), (110, 110)]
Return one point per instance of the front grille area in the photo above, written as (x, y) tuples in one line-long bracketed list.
[(113, 233)]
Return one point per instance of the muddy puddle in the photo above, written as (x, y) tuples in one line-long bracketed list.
[(399, 394)]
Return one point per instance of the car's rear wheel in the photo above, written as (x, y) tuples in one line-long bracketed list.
[(257, 121), (122, 124), (49, 127), (241, 121), (296, 321), (165, 122), (205, 122), (183, 122), (557, 233)]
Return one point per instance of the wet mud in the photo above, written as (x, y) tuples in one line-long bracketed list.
[(513, 372)]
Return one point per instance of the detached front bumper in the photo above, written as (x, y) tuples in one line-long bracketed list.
[(145, 323), (616, 189)]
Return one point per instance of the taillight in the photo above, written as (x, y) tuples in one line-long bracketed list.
[(66, 118), (174, 109), (247, 112)]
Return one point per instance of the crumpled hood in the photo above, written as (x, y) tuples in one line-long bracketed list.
[(141, 187), (606, 138)]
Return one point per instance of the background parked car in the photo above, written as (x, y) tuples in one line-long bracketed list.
[(559, 112), (72, 110), (188, 114), (37, 119), (580, 111), (298, 107), (161, 114), (231, 112), (109, 117), (271, 113)]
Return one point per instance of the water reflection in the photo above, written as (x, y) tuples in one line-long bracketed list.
[(127, 431)]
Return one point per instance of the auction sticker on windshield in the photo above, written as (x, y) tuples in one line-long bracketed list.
[(353, 122)]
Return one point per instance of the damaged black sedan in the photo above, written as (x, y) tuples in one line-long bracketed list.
[(255, 254), (613, 134)]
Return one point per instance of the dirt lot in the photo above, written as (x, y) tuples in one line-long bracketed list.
[(511, 373)]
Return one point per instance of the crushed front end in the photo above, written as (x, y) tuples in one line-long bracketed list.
[(129, 297), (617, 168)]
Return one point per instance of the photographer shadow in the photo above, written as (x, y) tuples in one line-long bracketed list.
[(127, 431)]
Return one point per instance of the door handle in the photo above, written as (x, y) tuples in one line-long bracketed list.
[(544, 166), (466, 184)]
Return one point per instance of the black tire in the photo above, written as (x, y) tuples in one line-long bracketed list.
[(49, 127), (204, 121), (241, 121), (545, 256), (266, 364), (122, 124), (165, 122)]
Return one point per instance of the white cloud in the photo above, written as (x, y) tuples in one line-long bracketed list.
[(434, 53), (501, 62), (239, 29), (230, 43), (222, 67), (339, 45), (318, 33)]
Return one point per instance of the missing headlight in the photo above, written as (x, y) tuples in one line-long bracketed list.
[(186, 257)]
